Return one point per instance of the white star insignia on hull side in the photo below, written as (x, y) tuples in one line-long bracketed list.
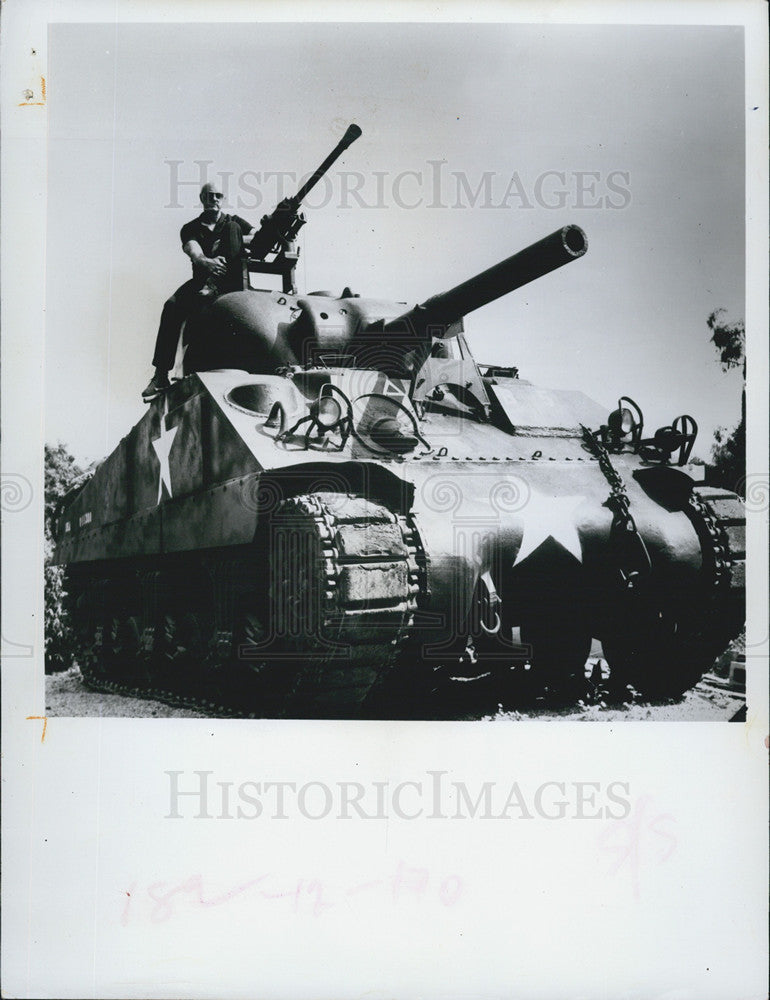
[(549, 517), (162, 446)]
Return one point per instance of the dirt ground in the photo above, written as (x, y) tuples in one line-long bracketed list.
[(66, 695)]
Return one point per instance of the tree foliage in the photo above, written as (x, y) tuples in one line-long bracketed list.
[(61, 471), (729, 339), (728, 453)]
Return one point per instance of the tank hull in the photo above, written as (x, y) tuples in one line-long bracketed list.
[(283, 575)]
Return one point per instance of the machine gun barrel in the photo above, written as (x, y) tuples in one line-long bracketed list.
[(351, 134), (283, 224), (440, 311)]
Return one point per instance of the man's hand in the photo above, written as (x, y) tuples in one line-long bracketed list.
[(215, 265)]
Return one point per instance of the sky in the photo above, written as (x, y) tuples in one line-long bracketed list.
[(477, 141)]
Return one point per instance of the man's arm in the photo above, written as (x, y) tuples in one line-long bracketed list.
[(246, 228), (214, 265)]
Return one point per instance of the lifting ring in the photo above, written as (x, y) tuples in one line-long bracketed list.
[(495, 628), (489, 602)]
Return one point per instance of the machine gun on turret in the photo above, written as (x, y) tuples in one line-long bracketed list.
[(277, 231)]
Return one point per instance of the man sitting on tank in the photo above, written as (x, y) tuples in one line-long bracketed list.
[(214, 243)]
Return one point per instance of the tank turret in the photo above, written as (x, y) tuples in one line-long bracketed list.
[(263, 333)]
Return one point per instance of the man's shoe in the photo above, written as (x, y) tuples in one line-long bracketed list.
[(155, 387)]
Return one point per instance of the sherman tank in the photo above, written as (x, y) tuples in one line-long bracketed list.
[(337, 511)]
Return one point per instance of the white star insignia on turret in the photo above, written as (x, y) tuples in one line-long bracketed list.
[(549, 517), (162, 446)]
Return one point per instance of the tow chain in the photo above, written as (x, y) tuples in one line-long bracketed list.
[(636, 564)]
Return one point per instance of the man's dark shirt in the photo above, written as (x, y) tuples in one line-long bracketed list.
[(225, 239)]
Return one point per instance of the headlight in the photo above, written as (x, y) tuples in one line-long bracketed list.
[(624, 425), (621, 422), (326, 412)]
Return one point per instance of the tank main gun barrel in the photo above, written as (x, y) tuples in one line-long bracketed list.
[(440, 311)]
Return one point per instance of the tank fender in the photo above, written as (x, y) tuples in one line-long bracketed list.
[(670, 488), (365, 479)]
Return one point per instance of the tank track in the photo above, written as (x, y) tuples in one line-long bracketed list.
[(361, 570), (373, 578), (669, 663), (719, 518), (371, 574)]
